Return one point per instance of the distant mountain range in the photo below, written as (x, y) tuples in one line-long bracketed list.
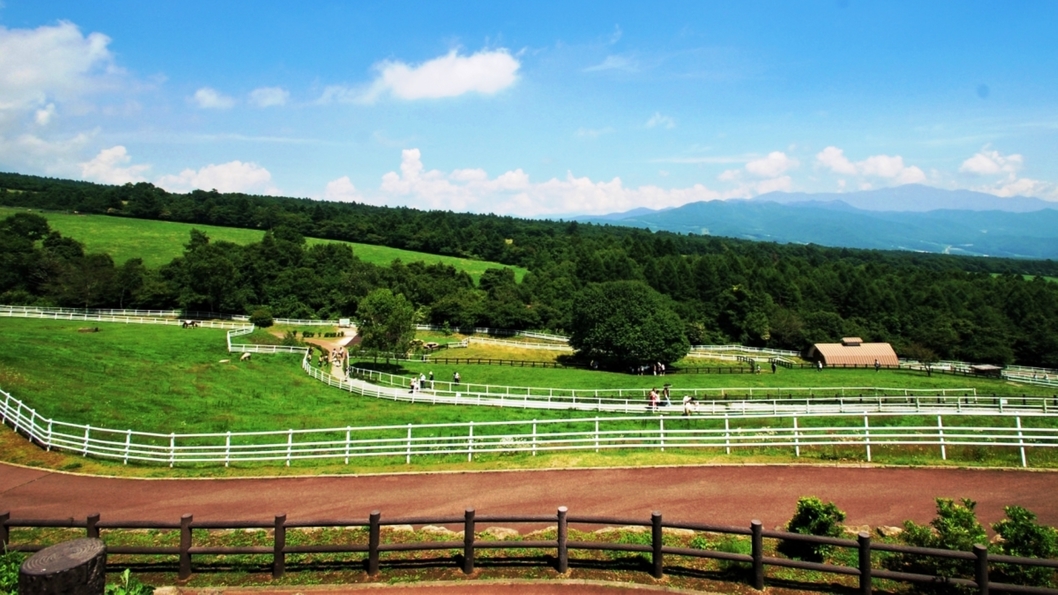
[(911, 217)]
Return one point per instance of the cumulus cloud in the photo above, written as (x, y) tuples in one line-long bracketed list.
[(342, 190), (234, 176), (53, 156), (774, 165), (269, 96), (990, 163), (49, 64), (889, 167), (660, 121), (486, 72), (111, 166), (513, 192), (1004, 169), (207, 98)]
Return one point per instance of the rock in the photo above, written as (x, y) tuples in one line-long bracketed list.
[(502, 533), (857, 529), (678, 532), (435, 530), (886, 531), (244, 357), (166, 591), (399, 528), (628, 529), (225, 361)]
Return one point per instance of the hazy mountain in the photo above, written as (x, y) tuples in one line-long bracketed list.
[(912, 219), (916, 198)]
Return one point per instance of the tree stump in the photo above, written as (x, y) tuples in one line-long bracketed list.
[(76, 567)]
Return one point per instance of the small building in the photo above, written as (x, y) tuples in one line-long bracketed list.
[(853, 352), (987, 370)]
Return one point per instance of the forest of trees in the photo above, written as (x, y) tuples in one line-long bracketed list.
[(723, 290)]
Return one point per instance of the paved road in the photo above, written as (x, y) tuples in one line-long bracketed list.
[(718, 494)]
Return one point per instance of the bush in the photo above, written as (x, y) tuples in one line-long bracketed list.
[(813, 517), (1023, 536), (9, 565), (955, 528), (128, 585), (262, 317)]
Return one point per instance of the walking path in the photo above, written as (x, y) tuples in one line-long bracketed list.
[(720, 494)]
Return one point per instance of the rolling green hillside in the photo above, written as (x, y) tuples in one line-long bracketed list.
[(158, 242)]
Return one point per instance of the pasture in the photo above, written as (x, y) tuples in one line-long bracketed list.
[(167, 379), (158, 242)]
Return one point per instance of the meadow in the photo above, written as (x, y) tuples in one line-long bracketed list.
[(158, 242)]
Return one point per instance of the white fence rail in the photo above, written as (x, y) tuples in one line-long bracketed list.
[(522, 344), (731, 430), (495, 332), (129, 313), (742, 349)]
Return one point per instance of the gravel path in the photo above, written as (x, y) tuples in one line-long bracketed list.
[(719, 494)]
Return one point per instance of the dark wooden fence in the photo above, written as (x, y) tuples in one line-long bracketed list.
[(865, 571)]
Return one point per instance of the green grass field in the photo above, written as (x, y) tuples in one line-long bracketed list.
[(158, 242), (168, 379)]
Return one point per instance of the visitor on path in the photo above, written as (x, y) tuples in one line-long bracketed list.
[(819, 365), (773, 367), (431, 379), (877, 365), (422, 381), (455, 378), (689, 404), (654, 398)]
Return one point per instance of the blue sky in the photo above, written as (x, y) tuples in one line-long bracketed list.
[(536, 108)]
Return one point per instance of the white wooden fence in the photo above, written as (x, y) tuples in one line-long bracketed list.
[(733, 430)]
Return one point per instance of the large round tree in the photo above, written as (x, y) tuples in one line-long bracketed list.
[(626, 323)]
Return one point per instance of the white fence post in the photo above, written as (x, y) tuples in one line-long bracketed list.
[(796, 439), (227, 448), (407, 460), (534, 437), (172, 449), (87, 428), (727, 433), (128, 442), (940, 436), (867, 437), (49, 434), (1021, 441), (661, 432), (596, 433), (348, 435), (470, 443), (290, 444)]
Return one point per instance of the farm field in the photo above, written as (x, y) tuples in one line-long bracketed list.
[(158, 242)]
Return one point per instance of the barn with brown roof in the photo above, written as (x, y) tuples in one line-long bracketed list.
[(853, 352)]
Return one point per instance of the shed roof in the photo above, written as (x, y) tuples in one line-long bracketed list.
[(863, 354)]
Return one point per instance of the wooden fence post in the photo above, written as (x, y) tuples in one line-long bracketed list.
[(92, 526), (981, 569), (185, 547), (5, 532), (279, 543), (373, 539), (756, 530), (657, 542), (864, 540), (563, 551), (468, 541)]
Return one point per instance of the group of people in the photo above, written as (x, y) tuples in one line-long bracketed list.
[(654, 397), (658, 368), (338, 356), (420, 383)]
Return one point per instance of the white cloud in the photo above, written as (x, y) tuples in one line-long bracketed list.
[(514, 193), (234, 176), (774, 165), (207, 98), (1004, 171), (889, 167), (110, 166), (48, 65), (269, 96), (989, 163), (342, 190), (661, 121), (55, 156), (43, 116), (486, 72)]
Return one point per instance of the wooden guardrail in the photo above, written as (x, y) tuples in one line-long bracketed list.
[(368, 552)]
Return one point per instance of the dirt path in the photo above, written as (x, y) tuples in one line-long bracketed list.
[(730, 494)]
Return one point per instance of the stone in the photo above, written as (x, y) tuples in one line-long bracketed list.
[(76, 567), (857, 529), (398, 528), (502, 533), (677, 532), (886, 531), (435, 530)]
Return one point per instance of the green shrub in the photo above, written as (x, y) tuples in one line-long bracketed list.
[(128, 585), (812, 517), (955, 528), (262, 317), (1024, 537), (9, 565)]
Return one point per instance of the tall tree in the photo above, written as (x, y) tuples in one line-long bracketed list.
[(386, 321)]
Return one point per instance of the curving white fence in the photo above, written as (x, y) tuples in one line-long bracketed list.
[(861, 429)]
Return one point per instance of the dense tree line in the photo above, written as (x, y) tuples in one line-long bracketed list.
[(721, 289)]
